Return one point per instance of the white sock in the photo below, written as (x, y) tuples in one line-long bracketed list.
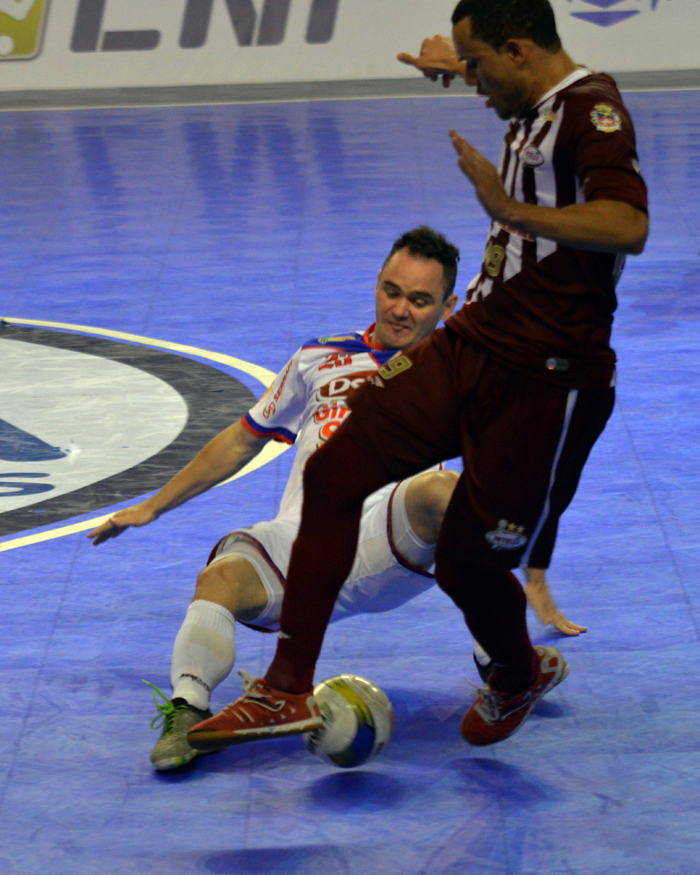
[(480, 654), (204, 652)]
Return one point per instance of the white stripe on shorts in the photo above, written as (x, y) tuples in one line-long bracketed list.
[(570, 404)]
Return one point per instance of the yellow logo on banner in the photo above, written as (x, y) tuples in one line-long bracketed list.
[(21, 27)]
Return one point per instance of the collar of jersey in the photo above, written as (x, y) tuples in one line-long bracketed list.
[(366, 339), (354, 342), (580, 73)]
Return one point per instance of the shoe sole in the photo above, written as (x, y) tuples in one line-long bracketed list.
[(211, 740), (167, 765)]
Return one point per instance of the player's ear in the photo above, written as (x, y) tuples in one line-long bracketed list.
[(517, 50), (449, 306)]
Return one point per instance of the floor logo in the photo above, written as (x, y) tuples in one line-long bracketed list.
[(610, 16), (21, 28), (94, 420)]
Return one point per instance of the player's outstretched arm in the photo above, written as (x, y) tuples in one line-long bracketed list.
[(437, 60), (541, 599), (221, 458)]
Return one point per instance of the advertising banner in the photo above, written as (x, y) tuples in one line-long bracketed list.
[(59, 44)]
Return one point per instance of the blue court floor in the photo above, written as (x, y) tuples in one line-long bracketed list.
[(234, 233)]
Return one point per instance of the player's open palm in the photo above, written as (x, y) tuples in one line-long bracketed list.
[(541, 600), (138, 515)]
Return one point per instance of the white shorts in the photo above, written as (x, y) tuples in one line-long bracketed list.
[(392, 565)]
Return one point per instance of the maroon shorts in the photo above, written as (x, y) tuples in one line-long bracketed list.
[(523, 442)]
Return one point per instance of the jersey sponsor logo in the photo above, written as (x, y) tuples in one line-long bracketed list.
[(508, 536), (21, 27), (532, 156), (605, 118), (607, 17), (339, 339), (272, 406), (396, 365), (329, 417), (341, 387)]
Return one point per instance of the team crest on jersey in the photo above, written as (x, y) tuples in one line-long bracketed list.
[(508, 536), (605, 118), (532, 156)]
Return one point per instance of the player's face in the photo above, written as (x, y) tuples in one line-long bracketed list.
[(496, 74), (409, 300)]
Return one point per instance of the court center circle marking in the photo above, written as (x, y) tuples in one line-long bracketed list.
[(269, 452)]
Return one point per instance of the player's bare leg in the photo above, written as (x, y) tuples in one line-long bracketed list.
[(227, 590), (426, 500), (233, 583)]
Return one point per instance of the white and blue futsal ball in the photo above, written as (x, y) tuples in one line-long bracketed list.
[(357, 721)]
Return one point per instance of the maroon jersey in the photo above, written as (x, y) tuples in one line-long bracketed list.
[(543, 308)]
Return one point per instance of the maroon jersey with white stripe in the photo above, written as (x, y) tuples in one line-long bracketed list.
[(543, 308)]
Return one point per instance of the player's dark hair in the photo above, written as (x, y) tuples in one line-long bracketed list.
[(425, 242), (496, 21)]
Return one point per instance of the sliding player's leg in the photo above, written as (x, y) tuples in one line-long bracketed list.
[(228, 589), (404, 430)]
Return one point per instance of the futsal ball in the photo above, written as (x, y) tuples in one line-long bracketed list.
[(357, 721)]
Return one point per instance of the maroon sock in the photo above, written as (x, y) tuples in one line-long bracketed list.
[(337, 479)]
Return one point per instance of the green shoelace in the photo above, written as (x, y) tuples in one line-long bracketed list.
[(167, 711)]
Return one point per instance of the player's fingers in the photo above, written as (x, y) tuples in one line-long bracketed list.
[(405, 58), (562, 624), (447, 80), (107, 530), (459, 142)]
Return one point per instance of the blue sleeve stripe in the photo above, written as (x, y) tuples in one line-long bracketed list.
[(280, 434)]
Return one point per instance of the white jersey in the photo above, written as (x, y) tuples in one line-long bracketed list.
[(308, 399)]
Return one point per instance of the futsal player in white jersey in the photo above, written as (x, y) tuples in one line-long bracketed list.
[(245, 577)]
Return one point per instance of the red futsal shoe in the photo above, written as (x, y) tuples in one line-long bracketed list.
[(496, 715), (261, 712)]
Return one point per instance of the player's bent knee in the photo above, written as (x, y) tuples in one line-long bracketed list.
[(426, 500), (210, 581), (233, 583), (435, 489)]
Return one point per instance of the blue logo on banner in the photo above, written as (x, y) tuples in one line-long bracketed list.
[(614, 16)]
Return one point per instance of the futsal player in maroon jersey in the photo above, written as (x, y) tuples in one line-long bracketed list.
[(520, 381)]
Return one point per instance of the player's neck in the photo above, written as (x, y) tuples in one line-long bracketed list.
[(556, 69)]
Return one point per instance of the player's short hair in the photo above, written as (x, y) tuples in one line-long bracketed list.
[(425, 242), (496, 21)]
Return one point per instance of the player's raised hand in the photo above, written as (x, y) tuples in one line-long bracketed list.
[(138, 515), (541, 599), (437, 60), (484, 177)]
